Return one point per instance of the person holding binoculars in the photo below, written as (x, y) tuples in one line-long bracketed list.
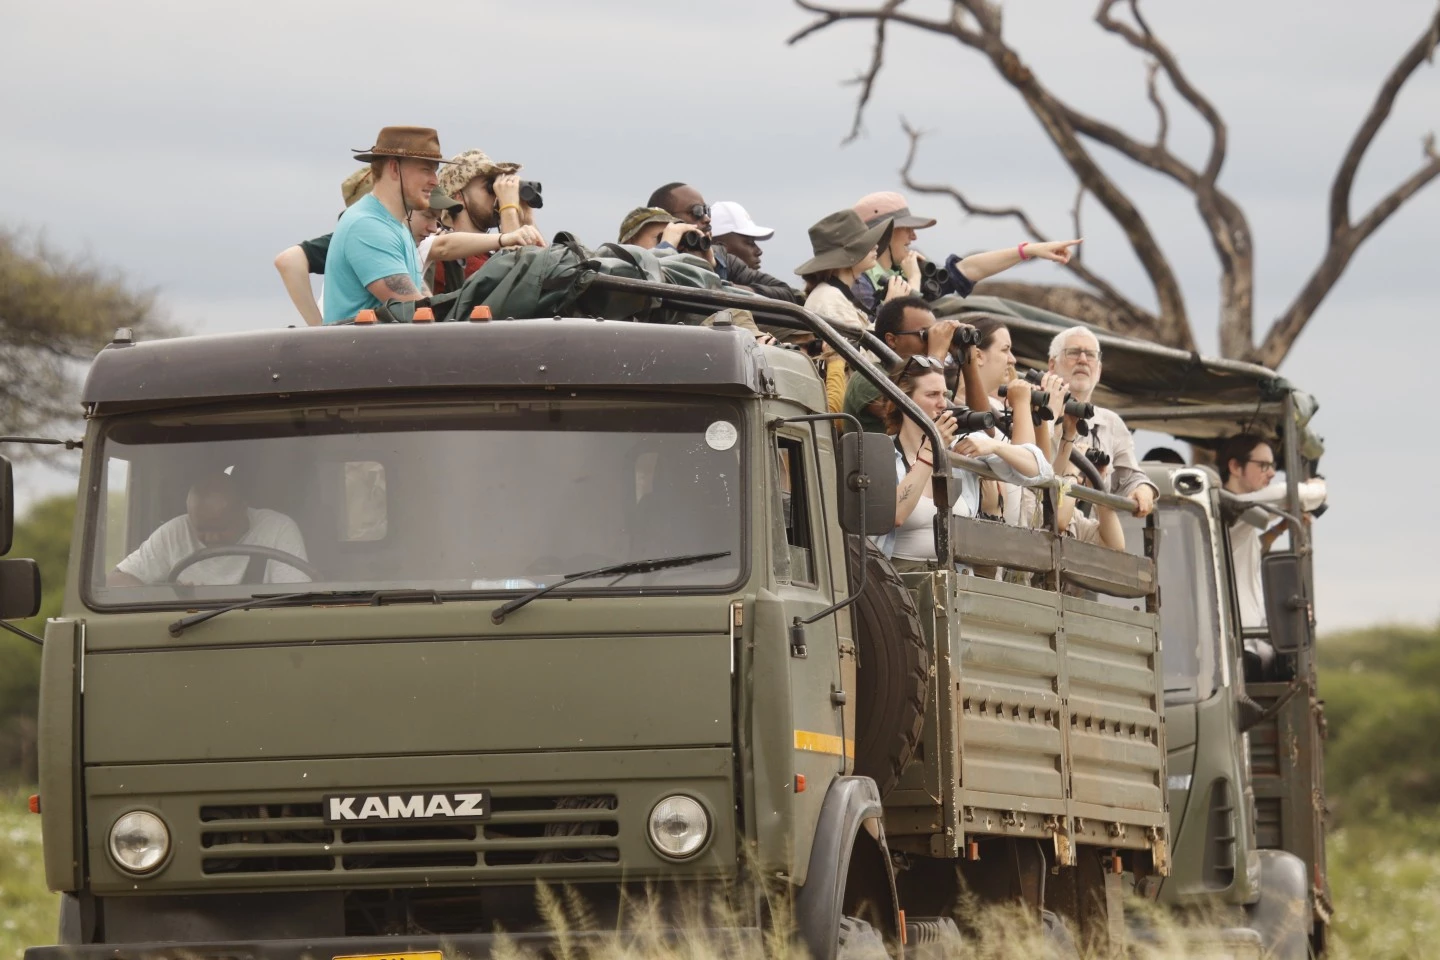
[(489, 195), (1075, 356)]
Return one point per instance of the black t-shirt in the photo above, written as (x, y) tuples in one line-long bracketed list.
[(316, 251)]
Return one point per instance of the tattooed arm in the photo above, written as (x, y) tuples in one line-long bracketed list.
[(912, 486), (397, 286)]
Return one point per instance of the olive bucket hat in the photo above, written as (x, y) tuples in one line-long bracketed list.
[(842, 240)]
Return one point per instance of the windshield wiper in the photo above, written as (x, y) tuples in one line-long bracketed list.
[(619, 569), (373, 597)]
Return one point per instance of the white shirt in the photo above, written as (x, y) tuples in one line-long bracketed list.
[(1246, 548), (1017, 506), (173, 541), (915, 538)]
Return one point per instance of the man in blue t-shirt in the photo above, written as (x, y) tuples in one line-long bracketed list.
[(372, 257)]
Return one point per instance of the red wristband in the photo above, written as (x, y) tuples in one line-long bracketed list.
[(1021, 250)]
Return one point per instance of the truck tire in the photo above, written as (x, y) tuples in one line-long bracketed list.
[(857, 940), (893, 672)]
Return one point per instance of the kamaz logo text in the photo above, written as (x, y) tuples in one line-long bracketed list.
[(474, 805)]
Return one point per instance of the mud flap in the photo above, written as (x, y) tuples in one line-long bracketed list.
[(1282, 914), (819, 906)]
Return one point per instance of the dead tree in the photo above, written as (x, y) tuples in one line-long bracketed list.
[(977, 24)]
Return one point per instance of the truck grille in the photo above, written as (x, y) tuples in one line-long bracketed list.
[(292, 837)]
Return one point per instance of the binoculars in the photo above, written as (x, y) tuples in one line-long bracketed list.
[(530, 194), (693, 241)]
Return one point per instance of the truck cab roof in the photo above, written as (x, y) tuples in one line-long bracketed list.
[(549, 353)]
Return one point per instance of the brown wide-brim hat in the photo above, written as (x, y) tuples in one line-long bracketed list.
[(403, 143), (842, 240)]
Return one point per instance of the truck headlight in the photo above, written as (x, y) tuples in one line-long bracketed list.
[(679, 827), (139, 842)]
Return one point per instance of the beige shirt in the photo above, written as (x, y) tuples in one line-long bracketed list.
[(836, 307)]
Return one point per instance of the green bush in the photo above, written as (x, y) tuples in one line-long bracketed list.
[(43, 535), (1382, 693)]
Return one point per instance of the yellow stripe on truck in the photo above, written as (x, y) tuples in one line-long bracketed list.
[(812, 742)]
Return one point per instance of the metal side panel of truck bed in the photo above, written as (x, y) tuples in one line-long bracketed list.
[(1044, 720)]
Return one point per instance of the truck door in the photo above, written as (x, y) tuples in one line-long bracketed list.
[(824, 745)]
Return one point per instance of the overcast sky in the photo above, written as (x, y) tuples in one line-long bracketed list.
[(187, 143)]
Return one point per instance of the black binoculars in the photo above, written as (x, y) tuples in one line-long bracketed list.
[(693, 241), (1039, 402), (530, 193)]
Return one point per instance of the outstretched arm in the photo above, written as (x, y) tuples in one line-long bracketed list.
[(979, 266), (295, 274)]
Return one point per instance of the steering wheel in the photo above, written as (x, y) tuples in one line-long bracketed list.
[(244, 550)]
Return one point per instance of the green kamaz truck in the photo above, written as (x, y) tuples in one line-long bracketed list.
[(1244, 722), (578, 602)]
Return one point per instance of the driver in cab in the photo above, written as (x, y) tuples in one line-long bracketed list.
[(216, 517)]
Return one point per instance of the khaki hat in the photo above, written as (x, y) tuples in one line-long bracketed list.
[(889, 205), (464, 167), (356, 185), (641, 216), (405, 143), (842, 240)]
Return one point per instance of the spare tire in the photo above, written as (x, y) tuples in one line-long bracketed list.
[(893, 671)]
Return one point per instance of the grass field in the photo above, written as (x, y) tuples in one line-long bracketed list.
[(1386, 883), (27, 909)]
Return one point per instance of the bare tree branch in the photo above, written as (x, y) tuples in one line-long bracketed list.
[(866, 80), (1152, 90), (1073, 302), (1226, 222), (1283, 333), (1131, 316), (1172, 324), (1142, 38), (977, 24), (1423, 49)]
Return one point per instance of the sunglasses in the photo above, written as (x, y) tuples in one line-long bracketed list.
[(699, 211), (922, 363)]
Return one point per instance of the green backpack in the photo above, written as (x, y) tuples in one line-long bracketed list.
[(527, 282)]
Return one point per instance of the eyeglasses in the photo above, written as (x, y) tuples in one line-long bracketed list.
[(1264, 465), (923, 334), (1077, 353)]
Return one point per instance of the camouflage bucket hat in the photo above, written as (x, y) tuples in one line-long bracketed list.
[(641, 216), (464, 167), (356, 185)]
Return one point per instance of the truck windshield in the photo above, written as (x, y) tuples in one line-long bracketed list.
[(1189, 603), (482, 497)]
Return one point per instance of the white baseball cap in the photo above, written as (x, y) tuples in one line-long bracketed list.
[(727, 216)]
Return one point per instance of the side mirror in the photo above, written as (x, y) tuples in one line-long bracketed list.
[(1286, 611), (871, 483), (19, 589), (7, 506)]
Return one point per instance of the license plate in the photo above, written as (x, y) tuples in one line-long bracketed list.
[(418, 955), (455, 806)]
